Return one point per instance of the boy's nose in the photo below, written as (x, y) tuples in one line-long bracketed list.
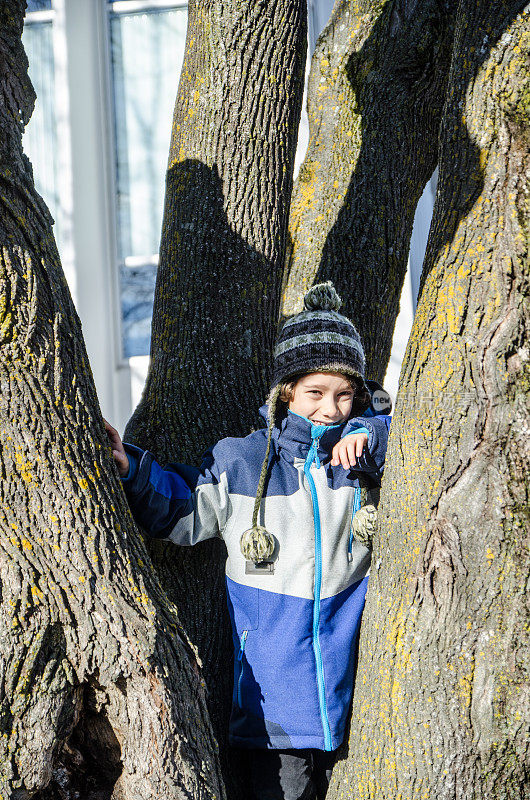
[(330, 410)]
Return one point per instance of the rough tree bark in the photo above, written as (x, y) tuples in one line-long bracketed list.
[(441, 708), (228, 190), (92, 652), (375, 97)]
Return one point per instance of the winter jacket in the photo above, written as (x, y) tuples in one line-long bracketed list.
[(295, 621)]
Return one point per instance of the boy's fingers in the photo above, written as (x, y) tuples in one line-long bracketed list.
[(345, 455), (348, 450), (113, 439), (113, 434), (351, 453), (122, 462)]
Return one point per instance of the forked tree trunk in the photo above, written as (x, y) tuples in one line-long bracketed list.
[(228, 189), (375, 97), (92, 652), (441, 707)]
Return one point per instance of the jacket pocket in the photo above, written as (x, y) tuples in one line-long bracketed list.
[(243, 606)]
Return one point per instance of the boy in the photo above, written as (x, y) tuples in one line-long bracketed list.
[(283, 499)]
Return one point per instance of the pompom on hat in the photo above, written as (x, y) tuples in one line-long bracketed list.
[(319, 339)]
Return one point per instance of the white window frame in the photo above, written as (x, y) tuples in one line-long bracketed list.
[(34, 17), (139, 6)]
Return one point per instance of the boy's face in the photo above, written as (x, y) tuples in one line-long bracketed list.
[(322, 397)]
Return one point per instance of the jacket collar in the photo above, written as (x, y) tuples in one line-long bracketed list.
[(295, 434)]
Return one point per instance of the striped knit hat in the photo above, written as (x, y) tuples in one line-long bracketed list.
[(317, 340)]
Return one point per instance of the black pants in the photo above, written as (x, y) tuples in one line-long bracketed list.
[(288, 774)]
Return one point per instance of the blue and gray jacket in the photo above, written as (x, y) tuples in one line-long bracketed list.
[(296, 619)]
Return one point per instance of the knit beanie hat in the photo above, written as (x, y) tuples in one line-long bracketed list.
[(317, 340)]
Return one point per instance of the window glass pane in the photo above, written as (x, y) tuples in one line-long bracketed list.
[(38, 5), (40, 136), (147, 50), (321, 13), (137, 295)]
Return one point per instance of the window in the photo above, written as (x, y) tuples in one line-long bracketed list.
[(147, 42), (318, 14), (38, 5), (40, 136)]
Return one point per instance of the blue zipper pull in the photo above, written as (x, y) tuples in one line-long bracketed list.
[(350, 547), (317, 431), (240, 660), (356, 506), (242, 645), (313, 453)]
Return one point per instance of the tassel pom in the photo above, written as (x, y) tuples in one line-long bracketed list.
[(364, 525), (322, 297), (257, 544)]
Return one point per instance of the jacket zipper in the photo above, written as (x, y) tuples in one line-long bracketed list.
[(355, 508), (313, 455), (240, 659)]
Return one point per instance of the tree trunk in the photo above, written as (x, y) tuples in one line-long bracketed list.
[(441, 708), (92, 652), (375, 98), (228, 190)]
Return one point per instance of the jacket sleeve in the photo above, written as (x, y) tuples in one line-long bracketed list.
[(177, 503), (372, 460)]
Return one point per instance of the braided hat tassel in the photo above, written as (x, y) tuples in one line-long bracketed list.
[(256, 543)]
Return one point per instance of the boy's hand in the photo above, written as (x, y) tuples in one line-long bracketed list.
[(348, 450), (118, 451)]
